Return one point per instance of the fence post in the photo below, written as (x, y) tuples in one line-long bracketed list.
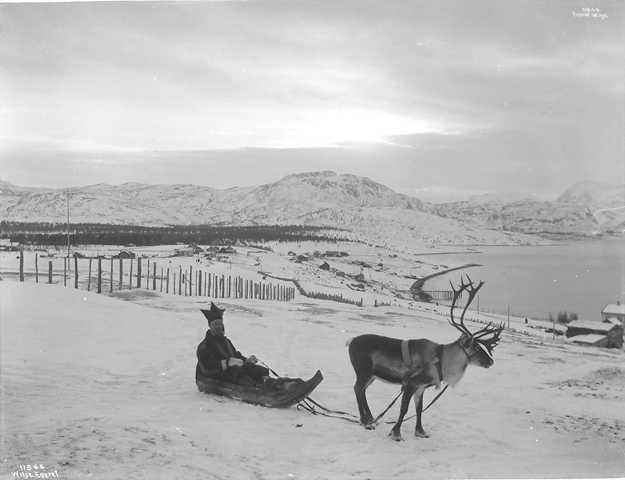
[(167, 290), (75, 271), (154, 276), (36, 268), (49, 271), (130, 275), (111, 290), (21, 264), (64, 272), (184, 281), (174, 289), (99, 274), (89, 280), (121, 272), (199, 283), (138, 272), (147, 275), (190, 281), (179, 279), (161, 279)]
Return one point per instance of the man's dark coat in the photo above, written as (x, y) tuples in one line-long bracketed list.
[(210, 353)]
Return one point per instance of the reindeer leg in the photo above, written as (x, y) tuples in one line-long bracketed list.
[(409, 390), (366, 418), (418, 401)]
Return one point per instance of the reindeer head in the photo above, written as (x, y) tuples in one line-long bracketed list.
[(479, 345)]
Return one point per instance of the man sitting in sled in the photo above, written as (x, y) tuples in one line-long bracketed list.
[(217, 358)]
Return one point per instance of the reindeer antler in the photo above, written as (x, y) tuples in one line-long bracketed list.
[(488, 329), (472, 291), (460, 326)]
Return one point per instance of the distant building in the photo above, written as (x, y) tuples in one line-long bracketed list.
[(227, 250), (336, 253), (602, 334), (592, 339), (614, 310), (124, 254)]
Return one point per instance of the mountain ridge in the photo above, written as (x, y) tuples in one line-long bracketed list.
[(317, 198)]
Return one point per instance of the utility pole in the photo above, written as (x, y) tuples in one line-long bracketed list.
[(68, 224), (508, 315)]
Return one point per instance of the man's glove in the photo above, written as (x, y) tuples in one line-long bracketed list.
[(251, 360), (235, 362)]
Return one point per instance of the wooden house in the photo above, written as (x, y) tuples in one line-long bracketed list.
[(614, 310), (592, 339), (590, 332)]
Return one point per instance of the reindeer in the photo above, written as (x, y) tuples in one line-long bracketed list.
[(419, 364)]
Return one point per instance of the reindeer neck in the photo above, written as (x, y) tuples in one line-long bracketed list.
[(454, 363)]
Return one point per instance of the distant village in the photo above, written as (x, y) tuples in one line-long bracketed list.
[(607, 331)]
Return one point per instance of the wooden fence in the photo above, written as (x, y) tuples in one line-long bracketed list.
[(440, 295), (176, 281)]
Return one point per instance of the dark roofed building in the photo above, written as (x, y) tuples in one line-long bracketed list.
[(612, 332), (125, 254)]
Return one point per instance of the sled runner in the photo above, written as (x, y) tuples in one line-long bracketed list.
[(267, 395)]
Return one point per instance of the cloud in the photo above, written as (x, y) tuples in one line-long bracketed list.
[(470, 94)]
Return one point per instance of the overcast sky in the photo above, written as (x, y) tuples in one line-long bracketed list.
[(434, 98)]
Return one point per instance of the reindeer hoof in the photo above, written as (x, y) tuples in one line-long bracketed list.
[(421, 434), (395, 436), (369, 426)]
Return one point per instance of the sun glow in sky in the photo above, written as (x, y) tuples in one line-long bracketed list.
[(450, 95)]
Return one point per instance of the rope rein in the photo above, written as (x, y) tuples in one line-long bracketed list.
[(308, 404)]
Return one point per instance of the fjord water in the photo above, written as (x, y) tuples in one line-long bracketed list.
[(580, 277)]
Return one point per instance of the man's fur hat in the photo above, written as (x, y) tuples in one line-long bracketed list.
[(215, 313)]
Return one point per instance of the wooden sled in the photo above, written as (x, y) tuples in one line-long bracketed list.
[(260, 394)]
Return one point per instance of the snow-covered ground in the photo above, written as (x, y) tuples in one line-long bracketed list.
[(95, 386)]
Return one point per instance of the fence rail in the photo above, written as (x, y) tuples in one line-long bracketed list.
[(441, 295), (191, 282)]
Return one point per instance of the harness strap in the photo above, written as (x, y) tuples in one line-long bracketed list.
[(439, 365), (405, 354), (407, 359)]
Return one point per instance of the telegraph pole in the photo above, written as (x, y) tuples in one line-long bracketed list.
[(68, 224)]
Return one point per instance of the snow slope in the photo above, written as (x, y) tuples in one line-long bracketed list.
[(98, 387)]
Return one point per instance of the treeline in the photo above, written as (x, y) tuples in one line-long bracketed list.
[(102, 234)]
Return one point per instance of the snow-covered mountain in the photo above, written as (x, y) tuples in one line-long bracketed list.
[(527, 216), (370, 209), (583, 209), (316, 198), (606, 201), (595, 195)]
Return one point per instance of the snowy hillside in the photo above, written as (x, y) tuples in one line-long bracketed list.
[(605, 200), (97, 387), (526, 216), (596, 195), (370, 209)]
